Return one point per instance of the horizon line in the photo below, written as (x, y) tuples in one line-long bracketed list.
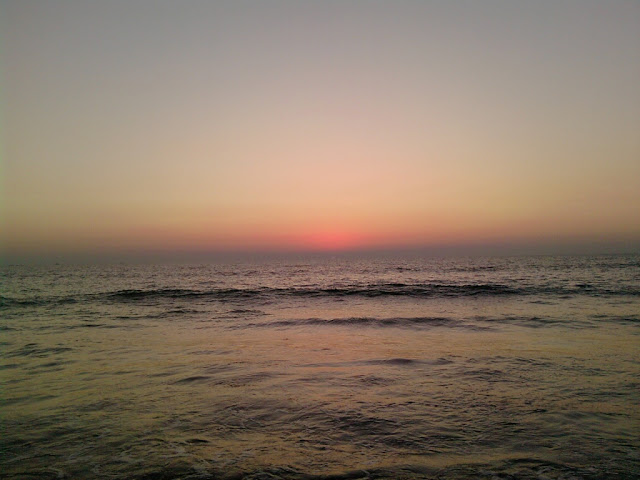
[(177, 255)]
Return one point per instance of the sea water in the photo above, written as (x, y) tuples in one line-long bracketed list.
[(325, 367)]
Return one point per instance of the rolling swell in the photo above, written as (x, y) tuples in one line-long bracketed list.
[(414, 290), (373, 290), (222, 294)]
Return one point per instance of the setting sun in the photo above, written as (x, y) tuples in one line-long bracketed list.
[(322, 240), (348, 126), (333, 240)]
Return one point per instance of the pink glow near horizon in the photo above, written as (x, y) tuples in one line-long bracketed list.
[(287, 126)]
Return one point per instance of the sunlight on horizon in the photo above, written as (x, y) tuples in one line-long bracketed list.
[(324, 126)]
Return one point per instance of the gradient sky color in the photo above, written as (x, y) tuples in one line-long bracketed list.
[(296, 125)]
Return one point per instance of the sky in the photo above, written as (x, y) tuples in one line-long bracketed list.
[(202, 126)]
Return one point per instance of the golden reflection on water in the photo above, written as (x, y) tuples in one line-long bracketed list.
[(321, 385), (285, 387)]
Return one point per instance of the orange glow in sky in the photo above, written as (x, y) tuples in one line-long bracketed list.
[(317, 125), (333, 240)]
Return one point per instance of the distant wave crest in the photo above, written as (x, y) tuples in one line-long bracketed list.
[(372, 290), (424, 290), (418, 290)]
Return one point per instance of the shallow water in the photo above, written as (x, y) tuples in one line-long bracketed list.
[(523, 367)]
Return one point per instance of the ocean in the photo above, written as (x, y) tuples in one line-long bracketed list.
[(323, 368)]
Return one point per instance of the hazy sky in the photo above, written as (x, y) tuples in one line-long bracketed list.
[(202, 125)]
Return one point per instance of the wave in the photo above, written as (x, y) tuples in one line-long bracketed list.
[(406, 322), (36, 350), (371, 290), (35, 301), (412, 290), (396, 362), (476, 324)]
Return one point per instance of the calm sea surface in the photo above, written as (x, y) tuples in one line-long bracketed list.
[(523, 367)]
